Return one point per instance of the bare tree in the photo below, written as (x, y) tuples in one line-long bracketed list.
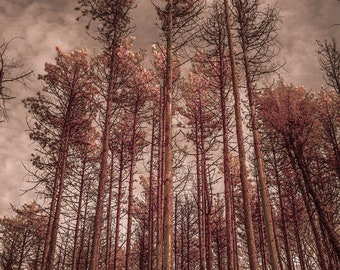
[(257, 33), (60, 116), (9, 72), (329, 59), (177, 19), (112, 20), (246, 192)]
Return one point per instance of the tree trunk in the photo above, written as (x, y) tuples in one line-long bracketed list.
[(160, 182), (246, 192), (206, 191), (168, 185), (47, 256), (226, 166), (79, 208), (201, 245), (151, 202), (119, 201), (267, 212), (108, 217), (290, 265), (130, 198), (56, 217), (297, 237), (98, 220), (309, 210)]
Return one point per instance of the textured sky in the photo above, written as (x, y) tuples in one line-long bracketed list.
[(44, 24)]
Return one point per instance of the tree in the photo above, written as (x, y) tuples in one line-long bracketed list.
[(22, 238), (289, 113), (204, 126), (139, 93), (177, 17), (216, 65), (112, 20), (257, 33), (62, 115), (328, 112), (9, 74), (329, 59), (246, 192)]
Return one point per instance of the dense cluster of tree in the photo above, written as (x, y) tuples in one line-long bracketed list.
[(163, 169)]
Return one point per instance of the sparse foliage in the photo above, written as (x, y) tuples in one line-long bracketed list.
[(329, 59), (10, 71)]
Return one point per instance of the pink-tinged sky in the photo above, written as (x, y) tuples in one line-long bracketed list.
[(44, 24)]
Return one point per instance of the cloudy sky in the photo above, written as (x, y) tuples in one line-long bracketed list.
[(44, 24)]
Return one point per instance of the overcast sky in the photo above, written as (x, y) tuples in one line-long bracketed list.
[(44, 24)]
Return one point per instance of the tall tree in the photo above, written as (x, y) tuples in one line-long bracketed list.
[(177, 17), (246, 192), (112, 21), (217, 69), (59, 115), (294, 121), (139, 93), (204, 126), (257, 32)]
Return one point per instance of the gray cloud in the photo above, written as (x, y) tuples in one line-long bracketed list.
[(45, 24), (304, 22)]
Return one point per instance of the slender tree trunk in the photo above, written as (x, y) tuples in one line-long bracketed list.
[(160, 182), (188, 223), (226, 167), (246, 192), (55, 226), (235, 255), (206, 198), (308, 206), (175, 234), (267, 212), (168, 185), (130, 198), (119, 201), (48, 255), (83, 231), (65, 248), (201, 246), (297, 237), (98, 220), (182, 233), (290, 265), (151, 202), (80, 200), (262, 234), (108, 217)]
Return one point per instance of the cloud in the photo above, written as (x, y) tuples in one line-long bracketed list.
[(304, 22)]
